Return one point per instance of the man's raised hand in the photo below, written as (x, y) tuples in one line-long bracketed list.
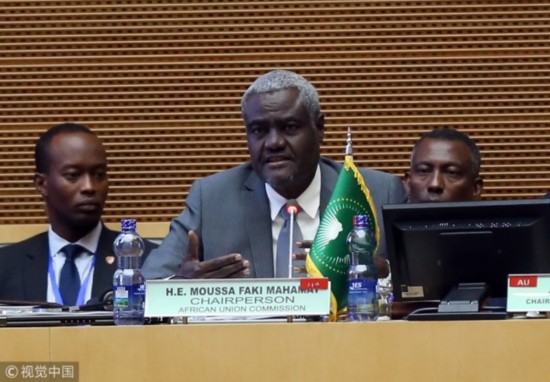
[(232, 265)]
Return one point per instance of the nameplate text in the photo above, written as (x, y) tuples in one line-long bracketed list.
[(232, 297), (527, 293)]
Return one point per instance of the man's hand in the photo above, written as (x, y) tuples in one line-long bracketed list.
[(382, 267), (231, 265), (298, 258)]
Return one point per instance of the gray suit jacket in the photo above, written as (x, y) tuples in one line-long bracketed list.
[(230, 213)]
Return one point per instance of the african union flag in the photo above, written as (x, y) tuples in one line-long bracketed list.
[(329, 254)]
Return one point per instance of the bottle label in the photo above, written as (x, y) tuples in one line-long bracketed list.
[(362, 296), (362, 285), (129, 296)]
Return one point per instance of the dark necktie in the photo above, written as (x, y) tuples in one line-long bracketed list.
[(283, 243), (69, 280)]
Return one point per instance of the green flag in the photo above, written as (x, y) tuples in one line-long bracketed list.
[(329, 253)]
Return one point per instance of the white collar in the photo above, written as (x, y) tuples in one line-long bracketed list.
[(90, 241), (309, 200)]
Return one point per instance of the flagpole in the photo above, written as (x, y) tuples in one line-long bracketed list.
[(349, 147)]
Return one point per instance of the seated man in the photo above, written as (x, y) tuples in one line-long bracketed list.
[(232, 220), (445, 165), (71, 176)]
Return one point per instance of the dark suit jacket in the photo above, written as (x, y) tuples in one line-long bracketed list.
[(24, 267), (230, 213)]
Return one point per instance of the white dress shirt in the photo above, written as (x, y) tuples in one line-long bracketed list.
[(84, 262), (307, 219)]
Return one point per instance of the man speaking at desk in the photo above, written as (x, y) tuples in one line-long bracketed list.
[(232, 222)]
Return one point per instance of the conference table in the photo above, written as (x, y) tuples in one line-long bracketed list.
[(507, 350)]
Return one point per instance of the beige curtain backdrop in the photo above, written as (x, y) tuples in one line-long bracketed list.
[(160, 82)]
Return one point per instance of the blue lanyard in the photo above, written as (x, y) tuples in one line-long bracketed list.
[(83, 284)]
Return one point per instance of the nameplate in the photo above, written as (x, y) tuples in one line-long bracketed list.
[(527, 293), (237, 297)]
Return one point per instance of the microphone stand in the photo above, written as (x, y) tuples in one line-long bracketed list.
[(292, 209), (292, 213), (291, 241)]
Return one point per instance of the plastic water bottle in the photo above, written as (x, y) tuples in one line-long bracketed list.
[(128, 281), (362, 276)]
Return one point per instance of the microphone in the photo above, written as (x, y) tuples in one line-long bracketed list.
[(292, 208)]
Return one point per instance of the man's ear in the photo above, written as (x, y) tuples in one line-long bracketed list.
[(478, 188), (41, 183), (407, 181), (320, 125)]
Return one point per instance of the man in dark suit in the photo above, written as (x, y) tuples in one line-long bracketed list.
[(71, 176), (232, 219)]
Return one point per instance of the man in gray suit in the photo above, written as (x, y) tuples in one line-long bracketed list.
[(232, 219)]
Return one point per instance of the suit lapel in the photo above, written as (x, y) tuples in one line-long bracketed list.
[(329, 176), (258, 222), (35, 269), (258, 218), (36, 260), (104, 267)]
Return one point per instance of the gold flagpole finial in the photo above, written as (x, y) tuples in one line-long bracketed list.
[(349, 148)]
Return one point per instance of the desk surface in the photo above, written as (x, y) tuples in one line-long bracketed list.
[(513, 350)]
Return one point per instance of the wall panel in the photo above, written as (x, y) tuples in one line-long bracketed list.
[(160, 82)]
